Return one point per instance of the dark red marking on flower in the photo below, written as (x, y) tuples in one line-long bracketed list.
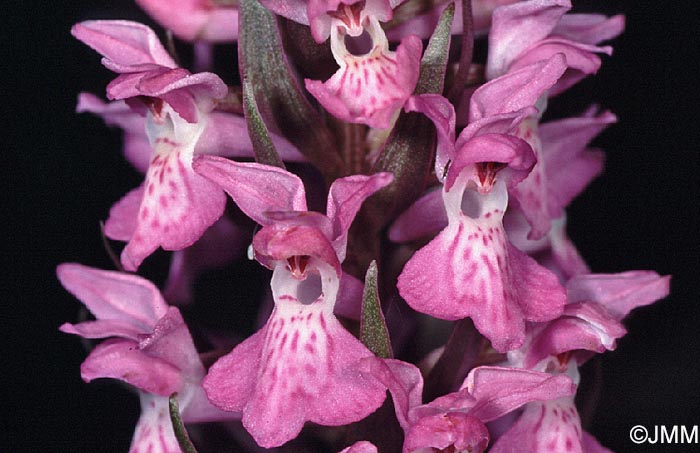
[(487, 172), (297, 266), (349, 14), (538, 425)]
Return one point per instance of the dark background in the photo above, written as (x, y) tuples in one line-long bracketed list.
[(65, 171)]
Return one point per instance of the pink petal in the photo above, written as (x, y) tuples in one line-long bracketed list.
[(291, 9), (345, 197), (227, 135), (549, 426), (499, 390), (619, 293), (171, 341), (114, 296), (584, 326), (589, 28), (255, 188), (122, 220), (177, 207), (369, 89), (122, 359), (442, 114), (349, 302), (426, 216), (123, 43), (103, 329), (455, 431), (193, 20), (360, 447), (517, 89), (154, 430), (279, 242), (519, 26), (402, 379)]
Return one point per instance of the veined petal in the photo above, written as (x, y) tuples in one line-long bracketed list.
[(544, 426), (345, 197), (255, 188), (178, 205), (370, 88), (227, 135), (517, 27), (123, 43), (443, 116), (122, 359), (500, 390), (154, 430), (305, 362), (114, 296), (280, 242), (471, 270), (619, 293), (517, 89), (103, 329)]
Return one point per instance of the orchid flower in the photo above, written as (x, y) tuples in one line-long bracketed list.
[(369, 87), (301, 366), (590, 324), (174, 206), (471, 269), (457, 420), (148, 347)]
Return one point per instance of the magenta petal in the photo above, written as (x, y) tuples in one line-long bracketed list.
[(454, 431), (619, 293), (517, 27), (122, 42), (549, 426), (349, 302), (227, 135), (426, 216), (154, 430), (442, 114), (122, 359), (584, 326), (255, 188), (177, 207), (589, 28), (291, 9), (123, 215), (114, 296), (516, 90), (369, 89), (345, 197), (103, 329), (278, 242), (402, 379), (500, 390), (293, 370), (361, 446), (193, 20)]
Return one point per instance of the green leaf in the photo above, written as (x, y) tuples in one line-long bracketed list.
[(265, 152), (178, 427), (373, 331), (434, 62), (280, 101)]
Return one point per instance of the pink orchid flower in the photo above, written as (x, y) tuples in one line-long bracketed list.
[(174, 206), (456, 421), (590, 324), (369, 87), (148, 347), (302, 365), (471, 269)]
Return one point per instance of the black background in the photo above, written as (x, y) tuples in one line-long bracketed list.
[(65, 171)]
